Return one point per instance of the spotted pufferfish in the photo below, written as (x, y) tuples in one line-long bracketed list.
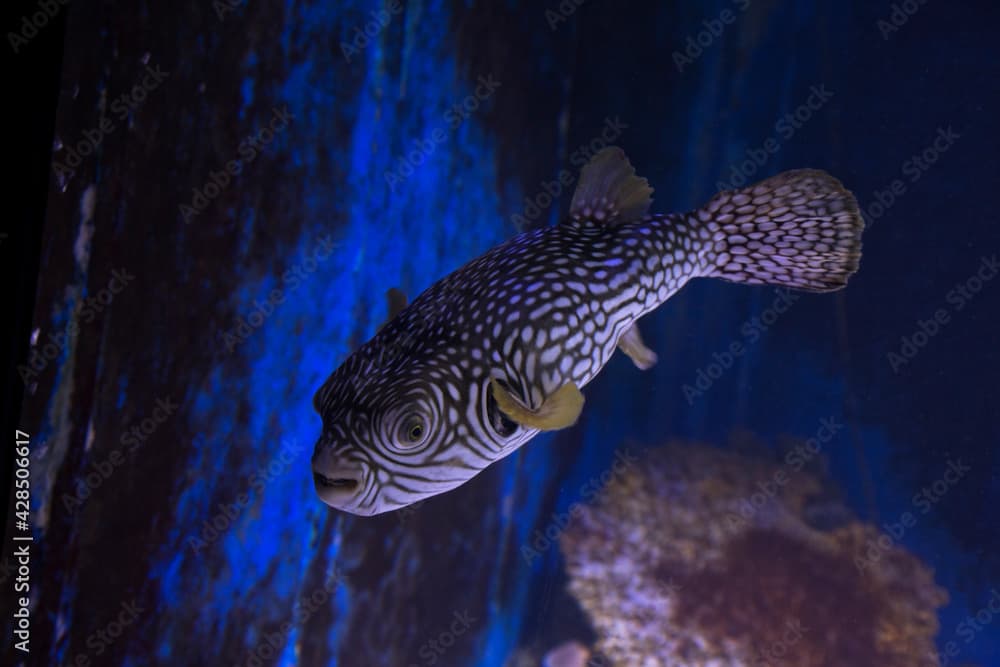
[(498, 351)]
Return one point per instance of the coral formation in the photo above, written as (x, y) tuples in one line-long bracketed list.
[(707, 557), (567, 654)]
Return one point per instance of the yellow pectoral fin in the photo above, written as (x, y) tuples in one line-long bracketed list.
[(560, 410)]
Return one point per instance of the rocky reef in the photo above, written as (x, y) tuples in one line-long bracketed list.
[(708, 557)]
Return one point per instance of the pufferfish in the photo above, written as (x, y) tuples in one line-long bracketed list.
[(498, 351)]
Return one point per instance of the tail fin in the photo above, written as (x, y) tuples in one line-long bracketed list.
[(799, 229)]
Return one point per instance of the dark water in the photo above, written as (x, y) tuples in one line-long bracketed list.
[(234, 188)]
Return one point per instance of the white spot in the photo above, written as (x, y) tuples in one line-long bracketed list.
[(541, 311), (81, 248), (508, 345), (559, 332)]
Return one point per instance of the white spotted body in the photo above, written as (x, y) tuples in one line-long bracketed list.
[(411, 414), (555, 301)]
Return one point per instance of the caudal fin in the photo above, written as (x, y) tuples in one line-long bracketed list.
[(799, 229)]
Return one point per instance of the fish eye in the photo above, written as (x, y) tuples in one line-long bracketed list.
[(412, 430)]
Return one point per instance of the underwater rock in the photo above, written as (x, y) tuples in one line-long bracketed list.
[(707, 557), (568, 654)]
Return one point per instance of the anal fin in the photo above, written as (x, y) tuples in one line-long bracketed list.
[(631, 344)]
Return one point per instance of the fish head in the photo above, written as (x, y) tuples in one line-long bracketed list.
[(395, 434)]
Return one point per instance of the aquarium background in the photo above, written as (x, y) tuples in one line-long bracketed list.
[(171, 435)]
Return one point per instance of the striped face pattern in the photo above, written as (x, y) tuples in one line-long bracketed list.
[(497, 351)]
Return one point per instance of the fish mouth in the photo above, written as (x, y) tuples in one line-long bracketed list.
[(336, 483), (338, 480)]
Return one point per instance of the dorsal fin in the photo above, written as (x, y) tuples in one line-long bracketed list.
[(609, 191), (396, 300)]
